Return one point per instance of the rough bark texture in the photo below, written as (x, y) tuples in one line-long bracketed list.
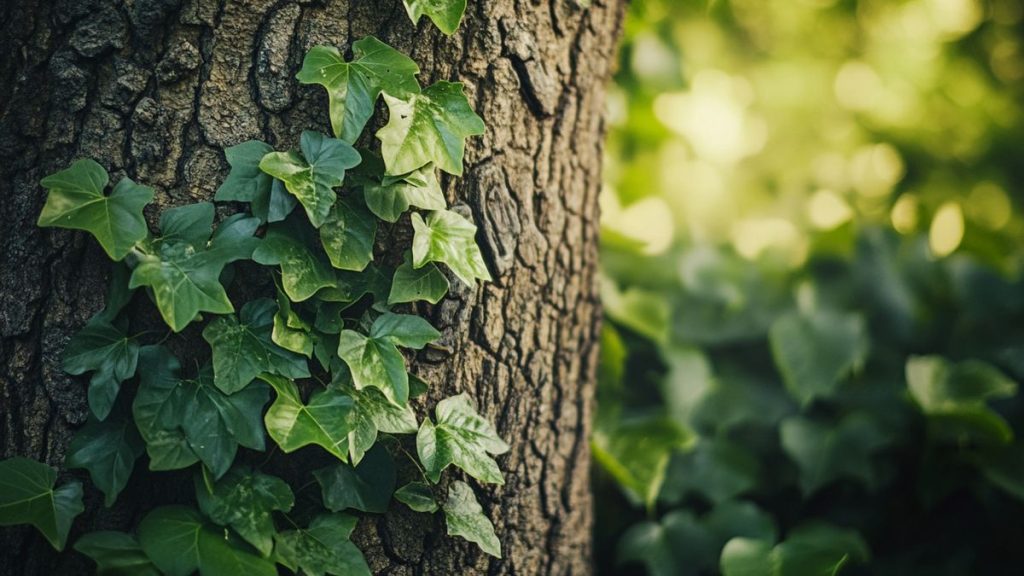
[(155, 89)]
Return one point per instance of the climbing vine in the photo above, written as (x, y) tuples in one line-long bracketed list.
[(327, 352)]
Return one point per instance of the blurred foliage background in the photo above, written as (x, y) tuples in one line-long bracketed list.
[(812, 257)]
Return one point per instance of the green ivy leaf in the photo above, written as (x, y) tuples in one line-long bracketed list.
[(348, 233), (245, 500), (323, 548), (180, 542), (158, 410), (184, 270), (311, 176), (324, 421), (428, 128), (108, 451), (809, 550), (445, 14), (350, 286), (304, 270), (417, 496), (825, 452), (637, 452), (28, 496), (375, 360), (465, 517), (116, 554), (814, 352), (373, 412), (353, 87), (367, 486), (290, 331), (716, 468), (448, 238), (410, 284), (404, 330), (110, 353), (461, 437), (76, 201), (388, 197), (247, 183), (243, 347)]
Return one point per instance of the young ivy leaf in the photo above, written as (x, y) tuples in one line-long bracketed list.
[(243, 347), (461, 437), (323, 548), (446, 14), (108, 450), (76, 201), (110, 353), (388, 197), (417, 496), (367, 486), (180, 542), (311, 176), (304, 270), (373, 412), (448, 238), (353, 87), (375, 360), (245, 500), (268, 200), (324, 421), (428, 127), (28, 496), (465, 517), (410, 284), (348, 233), (290, 331), (116, 554), (183, 268)]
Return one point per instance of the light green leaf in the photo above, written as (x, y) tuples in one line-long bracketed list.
[(245, 500), (243, 347), (290, 331), (180, 542), (324, 421), (815, 352), (76, 201), (373, 412), (410, 284), (461, 437), (809, 550), (323, 548), (304, 269), (311, 176), (353, 87), (108, 451), (28, 496), (445, 14), (367, 486), (375, 362), (347, 234), (448, 238), (637, 452), (465, 517), (428, 128), (110, 353), (388, 197), (417, 496), (827, 452), (116, 554), (405, 330)]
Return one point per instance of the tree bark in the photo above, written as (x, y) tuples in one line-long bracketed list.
[(156, 89)]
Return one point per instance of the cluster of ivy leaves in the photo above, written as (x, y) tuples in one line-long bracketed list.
[(326, 353)]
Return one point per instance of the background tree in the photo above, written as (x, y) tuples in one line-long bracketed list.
[(155, 90)]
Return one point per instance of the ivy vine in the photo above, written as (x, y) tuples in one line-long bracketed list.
[(320, 364)]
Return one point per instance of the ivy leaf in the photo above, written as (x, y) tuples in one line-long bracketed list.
[(465, 517), (716, 468), (311, 176), (445, 14), (428, 128), (410, 284), (637, 453), (827, 452), (353, 87), (448, 238), (184, 272), (809, 550), (323, 548), (323, 421), (28, 496), (180, 542), (108, 451), (243, 347), (388, 197), (405, 330), (373, 412), (417, 496), (247, 183), (245, 500), (347, 234), (110, 353), (351, 286), (304, 270), (290, 331), (76, 201), (461, 437), (367, 486), (158, 410), (814, 352), (116, 554)]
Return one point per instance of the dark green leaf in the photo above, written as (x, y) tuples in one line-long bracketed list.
[(810, 550), (367, 486), (827, 452), (245, 500), (304, 269), (814, 352), (110, 353), (116, 554), (417, 496), (323, 548), (715, 468), (180, 542), (108, 451), (28, 496)]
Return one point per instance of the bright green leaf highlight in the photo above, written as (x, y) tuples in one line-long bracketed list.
[(461, 437), (445, 14), (323, 421), (448, 238)]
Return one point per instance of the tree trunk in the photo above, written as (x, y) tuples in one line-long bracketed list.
[(156, 89)]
